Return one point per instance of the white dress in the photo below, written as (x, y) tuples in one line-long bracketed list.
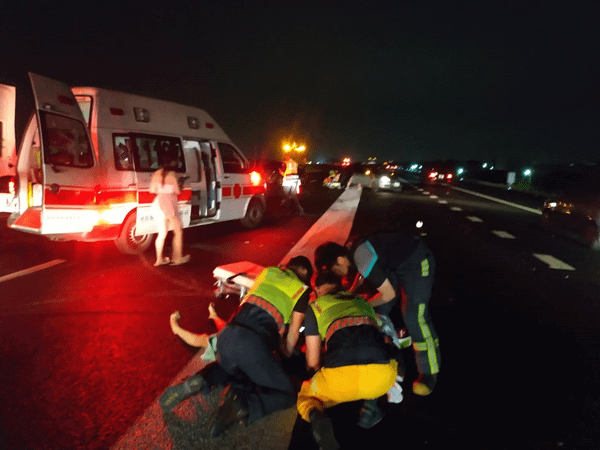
[(165, 202)]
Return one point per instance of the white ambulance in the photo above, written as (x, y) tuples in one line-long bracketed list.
[(87, 157)]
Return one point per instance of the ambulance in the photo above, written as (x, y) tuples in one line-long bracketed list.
[(88, 154)]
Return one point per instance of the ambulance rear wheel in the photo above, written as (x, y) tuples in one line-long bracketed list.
[(254, 214), (128, 242)]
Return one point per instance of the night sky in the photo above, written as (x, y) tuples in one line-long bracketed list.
[(517, 82)]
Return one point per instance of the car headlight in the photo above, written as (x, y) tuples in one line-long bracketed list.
[(385, 181)]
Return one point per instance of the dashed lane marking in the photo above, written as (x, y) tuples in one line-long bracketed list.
[(433, 196), (525, 208), (474, 219), (443, 202), (456, 208), (425, 192), (503, 234), (553, 262), (31, 270)]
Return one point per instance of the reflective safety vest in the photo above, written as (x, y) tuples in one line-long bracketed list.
[(341, 310), (277, 291), (291, 167)]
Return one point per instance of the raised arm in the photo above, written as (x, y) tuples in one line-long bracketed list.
[(195, 340)]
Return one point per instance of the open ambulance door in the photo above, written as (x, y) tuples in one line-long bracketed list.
[(57, 166), (8, 156), (203, 179)]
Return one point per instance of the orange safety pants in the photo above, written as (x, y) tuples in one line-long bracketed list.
[(331, 386)]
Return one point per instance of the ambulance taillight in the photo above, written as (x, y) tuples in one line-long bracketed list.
[(255, 178)]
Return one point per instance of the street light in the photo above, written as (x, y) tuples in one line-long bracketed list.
[(293, 147)]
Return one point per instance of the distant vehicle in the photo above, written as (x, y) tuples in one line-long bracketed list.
[(576, 210), (439, 175), (374, 178)]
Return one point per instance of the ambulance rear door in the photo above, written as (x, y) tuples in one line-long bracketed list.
[(7, 130), (69, 171), (7, 148)]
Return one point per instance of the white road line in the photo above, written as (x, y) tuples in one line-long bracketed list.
[(425, 192), (33, 269), (334, 225), (553, 262), (474, 219), (526, 208), (443, 202), (433, 196), (503, 234), (456, 208)]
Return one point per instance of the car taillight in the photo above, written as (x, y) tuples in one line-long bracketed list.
[(255, 178), (449, 176), (432, 174)]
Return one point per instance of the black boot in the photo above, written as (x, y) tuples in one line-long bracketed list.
[(232, 410), (322, 430), (174, 395), (370, 414)]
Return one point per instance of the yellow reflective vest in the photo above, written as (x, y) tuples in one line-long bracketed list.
[(343, 309), (281, 288)]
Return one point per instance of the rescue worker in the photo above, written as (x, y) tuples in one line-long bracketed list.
[(247, 348), (356, 363), (389, 261), (291, 166), (291, 181)]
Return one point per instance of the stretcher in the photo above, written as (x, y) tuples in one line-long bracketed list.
[(235, 278)]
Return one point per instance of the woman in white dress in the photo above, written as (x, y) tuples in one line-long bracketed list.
[(164, 184)]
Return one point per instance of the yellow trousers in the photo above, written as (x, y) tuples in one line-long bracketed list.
[(331, 386)]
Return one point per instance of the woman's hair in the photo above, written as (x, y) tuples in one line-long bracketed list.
[(166, 167), (328, 278)]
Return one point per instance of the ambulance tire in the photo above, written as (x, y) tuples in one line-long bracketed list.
[(254, 214), (128, 242)]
